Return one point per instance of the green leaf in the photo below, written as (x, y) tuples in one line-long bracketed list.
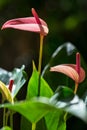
[(37, 108), (25, 124), (32, 110), (61, 125), (76, 106), (64, 94), (6, 128), (32, 90), (41, 125), (55, 120)]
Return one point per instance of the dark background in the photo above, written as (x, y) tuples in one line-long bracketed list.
[(66, 19), (67, 22)]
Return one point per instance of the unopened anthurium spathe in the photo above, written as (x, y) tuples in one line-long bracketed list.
[(74, 71), (11, 83), (6, 91)]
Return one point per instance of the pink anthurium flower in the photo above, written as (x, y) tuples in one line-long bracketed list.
[(74, 71), (34, 24)]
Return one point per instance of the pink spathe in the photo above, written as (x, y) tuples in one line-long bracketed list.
[(70, 70), (74, 71), (33, 24)]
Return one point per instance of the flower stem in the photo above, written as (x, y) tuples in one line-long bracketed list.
[(77, 69), (40, 53), (7, 115), (33, 126), (76, 87), (65, 116), (11, 119), (4, 112), (40, 62)]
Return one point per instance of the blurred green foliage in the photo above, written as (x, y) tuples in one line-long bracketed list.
[(3, 3)]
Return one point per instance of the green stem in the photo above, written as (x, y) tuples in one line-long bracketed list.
[(76, 87), (11, 119), (75, 90), (65, 116), (4, 111), (40, 62), (40, 54), (33, 126), (7, 115)]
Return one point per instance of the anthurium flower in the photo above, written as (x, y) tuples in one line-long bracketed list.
[(34, 24), (70, 70), (74, 71)]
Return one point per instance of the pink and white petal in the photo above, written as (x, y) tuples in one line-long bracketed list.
[(82, 75), (67, 70), (28, 27), (26, 20), (82, 72), (27, 24)]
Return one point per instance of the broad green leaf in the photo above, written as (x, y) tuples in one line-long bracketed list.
[(76, 106), (61, 125), (40, 125), (25, 124), (5, 92), (6, 128), (32, 110), (55, 120), (64, 94), (32, 90), (37, 108)]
